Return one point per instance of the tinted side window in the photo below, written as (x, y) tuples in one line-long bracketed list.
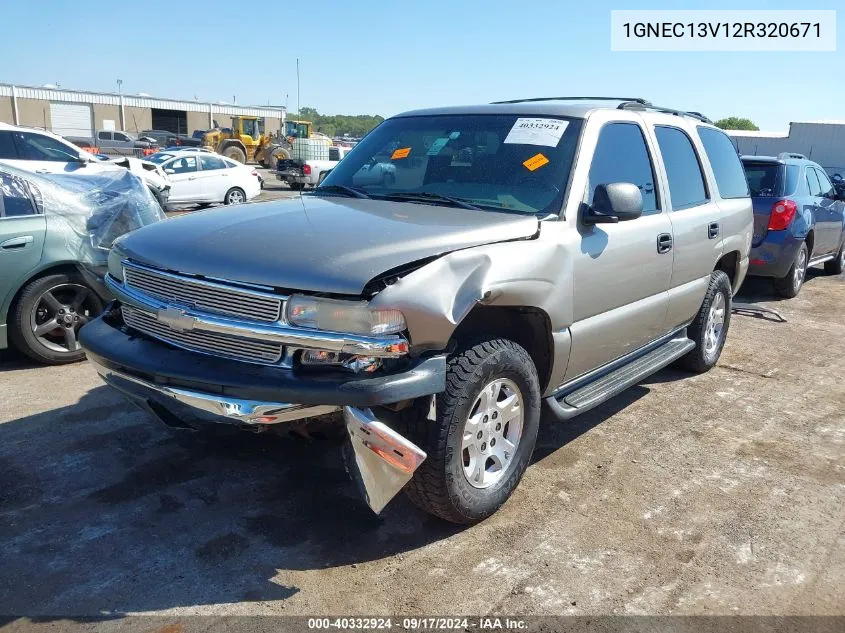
[(7, 146), (686, 184), (211, 162), (38, 147), (824, 181), (104, 136), (813, 184), (730, 177), (14, 197), (622, 156)]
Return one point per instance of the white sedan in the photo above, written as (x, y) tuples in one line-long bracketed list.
[(205, 178)]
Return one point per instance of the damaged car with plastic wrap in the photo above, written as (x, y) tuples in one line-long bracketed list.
[(528, 254), (55, 234)]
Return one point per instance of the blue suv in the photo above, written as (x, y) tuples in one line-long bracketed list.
[(799, 220)]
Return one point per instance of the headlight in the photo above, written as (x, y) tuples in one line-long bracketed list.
[(343, 316)]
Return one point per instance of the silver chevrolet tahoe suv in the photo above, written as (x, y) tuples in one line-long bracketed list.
[(527, 253)]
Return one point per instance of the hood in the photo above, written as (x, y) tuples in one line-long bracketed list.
[(320, 244)]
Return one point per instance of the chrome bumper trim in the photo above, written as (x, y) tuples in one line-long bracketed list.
[(381, 347), (238, 410)]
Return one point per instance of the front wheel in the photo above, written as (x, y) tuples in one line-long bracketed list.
[(235, 195), (709, 329), (790, 285), (47, 316), (483, 436)]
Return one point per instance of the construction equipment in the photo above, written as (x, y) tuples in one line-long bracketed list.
[(242, 141)]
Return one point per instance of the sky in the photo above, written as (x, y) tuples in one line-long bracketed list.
[(369, 57)]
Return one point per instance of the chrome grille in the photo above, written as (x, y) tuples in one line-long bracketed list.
[(247, 350), (207, 296)]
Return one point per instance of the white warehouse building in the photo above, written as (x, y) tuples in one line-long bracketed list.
[(821, 141)]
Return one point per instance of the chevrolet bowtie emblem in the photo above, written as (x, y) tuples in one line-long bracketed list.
[(175, 319)]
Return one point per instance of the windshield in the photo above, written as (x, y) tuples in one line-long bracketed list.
[(159, 157), (500, 162)]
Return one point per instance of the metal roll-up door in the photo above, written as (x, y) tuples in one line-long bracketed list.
[(72, 119)]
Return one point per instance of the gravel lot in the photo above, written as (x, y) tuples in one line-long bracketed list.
[(715, 494)]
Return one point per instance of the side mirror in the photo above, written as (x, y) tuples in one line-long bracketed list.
[(615, 202), (82, 160)]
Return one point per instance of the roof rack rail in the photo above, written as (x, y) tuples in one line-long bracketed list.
[(654, 108), (783, 155), (639, 100)]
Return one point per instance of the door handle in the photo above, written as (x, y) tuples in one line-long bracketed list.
[(17, 243), (664, 243), (192, 177), (713, 230), (42, 171)]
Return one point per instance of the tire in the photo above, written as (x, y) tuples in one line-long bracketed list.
[(235, 195), (441, 485), (296, 186), (33, 310), (836, 265), (235, 153), (709, 329), (790, 285)]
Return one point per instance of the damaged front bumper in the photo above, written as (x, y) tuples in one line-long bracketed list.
[(176, 386)]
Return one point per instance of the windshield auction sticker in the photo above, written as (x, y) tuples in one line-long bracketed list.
[(402, 152), (535, 162), (536, 132), (723, 30)]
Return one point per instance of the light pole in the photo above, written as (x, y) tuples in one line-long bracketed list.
[(120, 101)]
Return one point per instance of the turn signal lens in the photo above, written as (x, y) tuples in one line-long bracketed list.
[(782, 213)]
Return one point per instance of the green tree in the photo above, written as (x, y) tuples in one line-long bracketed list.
[(338, 124), (736, 123)]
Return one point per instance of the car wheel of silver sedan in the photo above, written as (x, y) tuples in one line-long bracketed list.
[(48, 315)]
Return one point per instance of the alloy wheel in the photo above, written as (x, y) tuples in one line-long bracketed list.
[(492, 433), (58, 314), (236, 197), (800, 269), (715, 324)]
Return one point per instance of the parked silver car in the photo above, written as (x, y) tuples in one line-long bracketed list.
[(540, 250)]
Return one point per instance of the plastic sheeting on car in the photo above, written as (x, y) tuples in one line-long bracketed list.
[(91, 210)]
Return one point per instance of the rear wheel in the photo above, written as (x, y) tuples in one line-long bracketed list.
[(48, 314), (836, 265), (709, 329), (235, 153), (235, 195), (296, 186), (790, 285), (482, 439)]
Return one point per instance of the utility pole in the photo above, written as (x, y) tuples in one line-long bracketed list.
[(297, 86)]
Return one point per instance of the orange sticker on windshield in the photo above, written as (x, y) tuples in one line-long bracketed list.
[(402, 152), (535, 162)]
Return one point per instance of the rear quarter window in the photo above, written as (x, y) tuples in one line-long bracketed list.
[(727, 168)]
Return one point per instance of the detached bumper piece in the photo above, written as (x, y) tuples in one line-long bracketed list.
[(384, 460)]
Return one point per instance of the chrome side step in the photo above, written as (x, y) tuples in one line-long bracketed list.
[(820, 260), (584, 398)]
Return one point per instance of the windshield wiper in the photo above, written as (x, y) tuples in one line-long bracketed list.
[(349, 192), (426, 196)]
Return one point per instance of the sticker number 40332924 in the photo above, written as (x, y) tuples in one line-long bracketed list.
[(536, 132)]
